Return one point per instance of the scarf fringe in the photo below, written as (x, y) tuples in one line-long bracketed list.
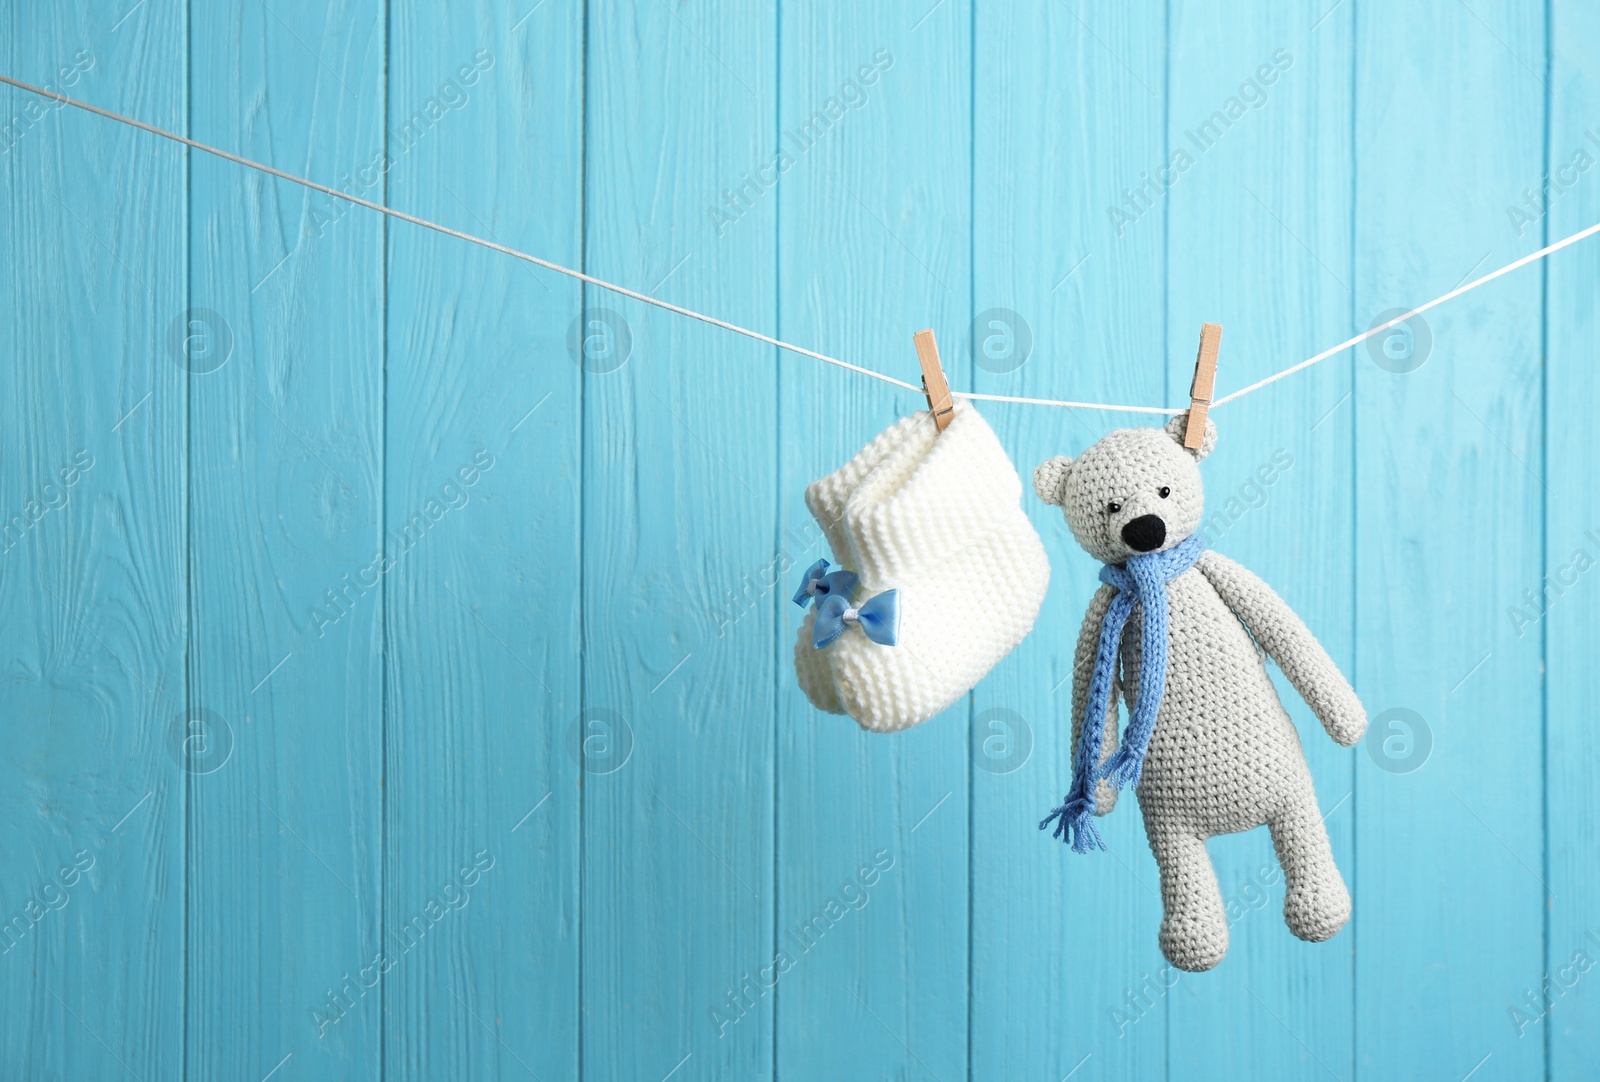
[(1124, 768), (1074, 821)]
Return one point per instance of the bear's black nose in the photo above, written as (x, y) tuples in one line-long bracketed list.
[(1145, 533)]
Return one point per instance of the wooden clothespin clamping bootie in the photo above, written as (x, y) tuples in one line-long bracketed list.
[(934, 385)]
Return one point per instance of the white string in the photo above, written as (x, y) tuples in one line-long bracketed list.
[(757, 335), (1531, 257), (436, 227), (1067, 403)]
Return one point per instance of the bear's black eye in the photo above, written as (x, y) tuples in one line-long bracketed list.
[(1163, 492), (1113, 507)]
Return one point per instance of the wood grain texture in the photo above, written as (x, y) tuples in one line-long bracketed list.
[(1268, 200), (284, 488), (1068, 112), (482, 460), (1567, 995), (678, 500), (874, 245), (526, 734), (93, 587), (1448, 501)]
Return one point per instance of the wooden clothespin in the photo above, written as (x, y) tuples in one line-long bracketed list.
[(1205, 378), (934, 384)]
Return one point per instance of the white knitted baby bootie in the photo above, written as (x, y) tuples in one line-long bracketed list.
[(949, 570)]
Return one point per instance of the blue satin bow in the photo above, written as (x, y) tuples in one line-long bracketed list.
[(879, 618), (819, 584)]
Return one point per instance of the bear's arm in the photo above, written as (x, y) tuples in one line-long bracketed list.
[(1290, 643), (1105, 797)]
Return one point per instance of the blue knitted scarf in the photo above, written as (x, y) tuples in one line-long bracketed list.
[(1142, 581)]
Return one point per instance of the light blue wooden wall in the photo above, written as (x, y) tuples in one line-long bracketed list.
[(396, 676)]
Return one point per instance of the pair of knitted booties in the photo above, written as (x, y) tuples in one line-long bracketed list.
[(940, 573)]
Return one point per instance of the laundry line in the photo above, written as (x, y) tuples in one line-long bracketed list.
[(645, 298)]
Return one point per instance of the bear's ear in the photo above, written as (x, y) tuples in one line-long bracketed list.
[(1050, 479), (1175, 427)]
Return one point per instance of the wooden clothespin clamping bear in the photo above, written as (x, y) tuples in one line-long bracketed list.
[(934, 385), (1205, 378)]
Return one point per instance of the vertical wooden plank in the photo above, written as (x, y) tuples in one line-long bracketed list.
[(482, 529), (285, 498), (1565, 608), (1449, 874), (1069, 112), (679, 436), (92, 577), (875, 245), (1259, 240)]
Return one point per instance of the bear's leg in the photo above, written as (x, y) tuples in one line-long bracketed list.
[(1194, 926), (1315, 903)]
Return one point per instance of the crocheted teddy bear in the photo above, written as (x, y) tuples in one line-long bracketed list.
[(1208, 745)]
